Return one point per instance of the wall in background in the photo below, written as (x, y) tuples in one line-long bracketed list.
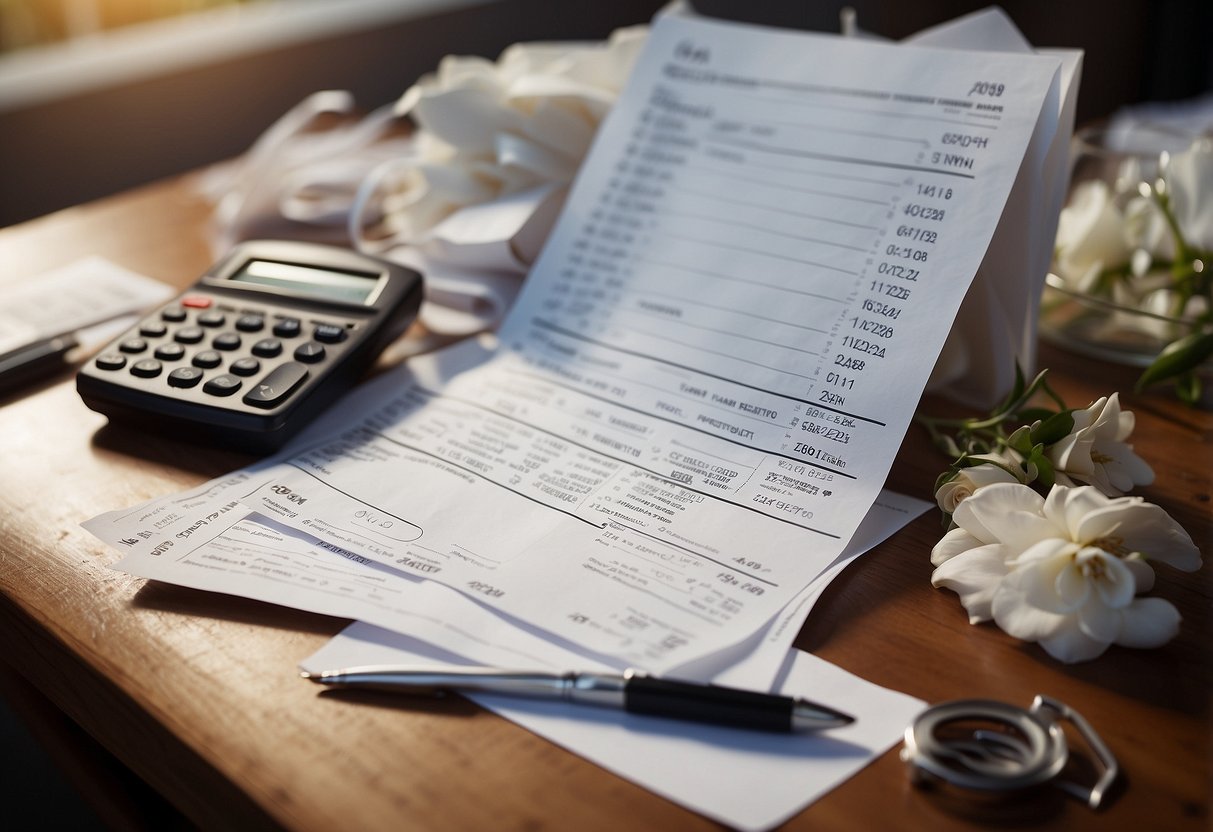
[(80, 146)]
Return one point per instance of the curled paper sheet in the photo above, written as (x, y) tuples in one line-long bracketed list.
[(298, 173), (469, 197), (995, 329), (475, 260), (459, 301)]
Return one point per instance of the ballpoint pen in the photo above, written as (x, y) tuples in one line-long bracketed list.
[(631, 691), (31, 362)]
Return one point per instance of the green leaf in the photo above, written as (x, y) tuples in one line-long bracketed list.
[(1178, 358), (1021, 440), (1014, 395), (1188, 388), (1044, 472), (1054, 429), (948, 445), (1035, 414)]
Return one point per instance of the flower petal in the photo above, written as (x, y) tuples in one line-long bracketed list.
[(1148, 622), (1070, 644), (1007, 513), (1100, 622), (1073, 588), (1143, 527), (1069, 507), (1015, 615), (1143, 575), (1116, 586), (1036, 574), (974, 576), (952, 544), (967, 482), (1072, 454)]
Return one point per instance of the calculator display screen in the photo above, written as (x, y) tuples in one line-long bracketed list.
[(309, 281)]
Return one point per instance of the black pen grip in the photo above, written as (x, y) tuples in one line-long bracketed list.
[(708, 703)]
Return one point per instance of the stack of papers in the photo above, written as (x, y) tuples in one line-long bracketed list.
[(681, 433)]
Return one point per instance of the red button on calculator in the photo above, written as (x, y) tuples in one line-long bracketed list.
[(196, 301)]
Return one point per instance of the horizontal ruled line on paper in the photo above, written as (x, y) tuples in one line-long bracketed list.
[(783, 186), (759, 252), (767, 207), (599, 451), (735, 279), (733, 311), (716, 330), (851, 160), (730, 355), (552, 327), (803, 172), (867, 134), (732, 223), (736, 442), (881, 114)]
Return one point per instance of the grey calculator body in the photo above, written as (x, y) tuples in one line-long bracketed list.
[(270, 336)]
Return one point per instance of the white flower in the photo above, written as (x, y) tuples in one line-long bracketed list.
[(1090, 235), (1064, 571), (1147, 232), (1189, 178), (1095, 452), (493, 129), (967, 482)]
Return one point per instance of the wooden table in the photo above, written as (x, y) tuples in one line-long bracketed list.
[(197, 693)]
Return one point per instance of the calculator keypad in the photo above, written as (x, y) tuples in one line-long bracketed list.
[(210, 350)]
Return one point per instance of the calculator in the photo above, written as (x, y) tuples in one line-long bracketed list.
[(264, 341)]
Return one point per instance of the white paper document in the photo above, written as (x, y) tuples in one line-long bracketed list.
[(261, 559), (745, 779), (697, 396), (76, 297), (995, 330)]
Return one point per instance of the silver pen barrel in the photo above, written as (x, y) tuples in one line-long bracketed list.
[(422, 681)]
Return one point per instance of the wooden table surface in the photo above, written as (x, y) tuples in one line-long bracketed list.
[(198, 694)]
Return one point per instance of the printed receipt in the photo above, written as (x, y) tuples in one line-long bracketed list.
[(699, 393)]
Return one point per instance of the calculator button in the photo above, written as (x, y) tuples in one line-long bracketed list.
[(147, 368), (250, 323), (245, 367), (196, 301), (223, 385), (287, 328), (188, 335), (184, 377), (212, 318), (311, 352), (275, 387), (153, 329), (111, 361), (207, 359), (173, 314), (133, 345), (226, 341), (329, 333), (267, 347), (170, 352)]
